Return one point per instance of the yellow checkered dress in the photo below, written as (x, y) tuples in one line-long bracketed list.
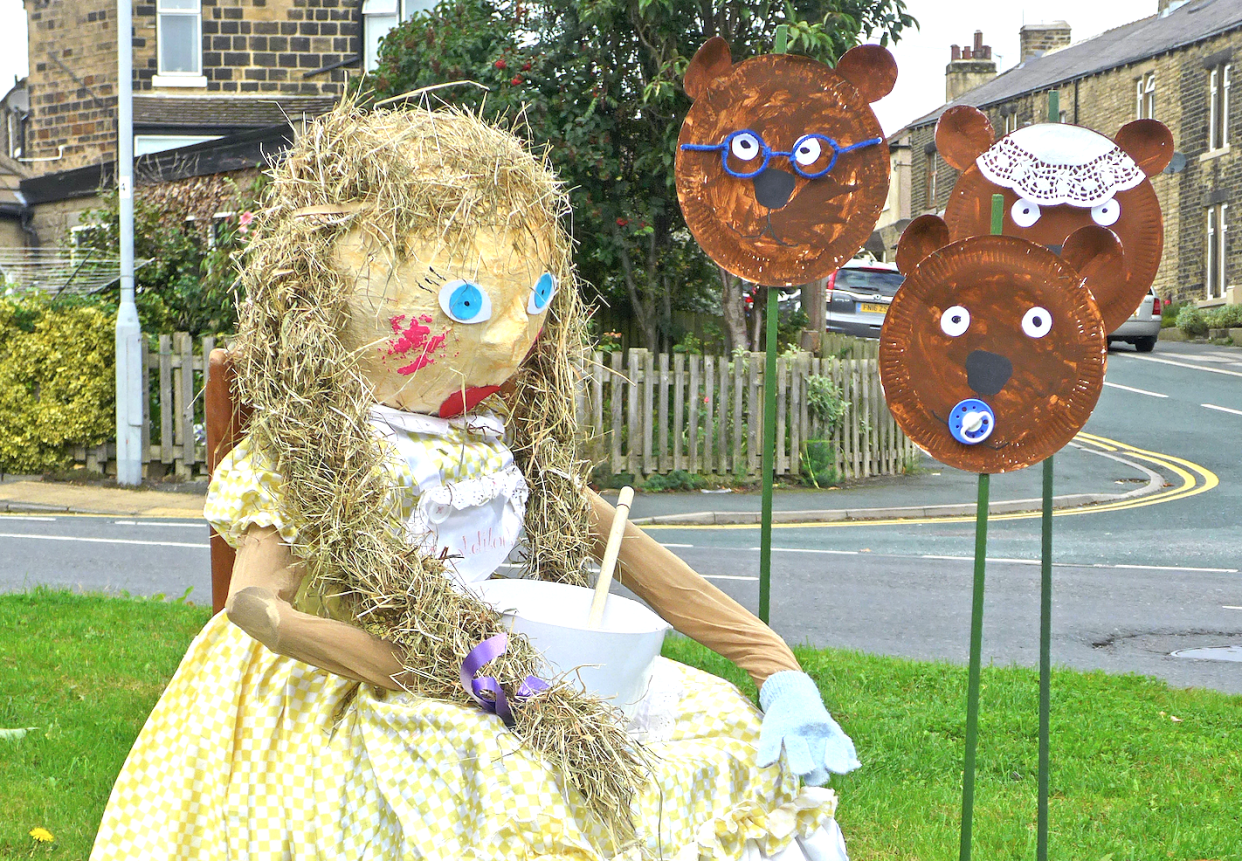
[(252, 755)]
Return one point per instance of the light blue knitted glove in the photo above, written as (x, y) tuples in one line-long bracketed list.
[(794, 716)]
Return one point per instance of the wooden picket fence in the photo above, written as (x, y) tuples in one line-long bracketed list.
[(641, 413), (648, 414), (178, 372)]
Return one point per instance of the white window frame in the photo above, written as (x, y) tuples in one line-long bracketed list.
[(15, 132), (77, 239), (1145, 97), (1216, 256), (196, 55), (1011, 122), (1218, 102), (379, 17), (148, 144)]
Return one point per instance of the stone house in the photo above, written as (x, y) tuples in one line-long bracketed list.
[(1174, 66), (218, 83)]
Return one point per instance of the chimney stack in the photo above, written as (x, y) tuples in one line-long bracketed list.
[(1037, 39), (968, 67)]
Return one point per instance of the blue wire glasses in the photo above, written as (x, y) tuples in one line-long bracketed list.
[(747, 147)]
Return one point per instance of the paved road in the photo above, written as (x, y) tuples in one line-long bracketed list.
[(1133, 582)]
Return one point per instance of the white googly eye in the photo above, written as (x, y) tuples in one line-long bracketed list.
[(465, 302), (807, 151), (1024, 212), (1107, 213), (954, 321), (1037, 322), (542, 293), (745, 146)]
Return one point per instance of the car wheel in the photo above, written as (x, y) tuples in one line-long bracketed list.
[(1145, 345)]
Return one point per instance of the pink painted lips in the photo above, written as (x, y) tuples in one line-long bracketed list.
[(464, 401)]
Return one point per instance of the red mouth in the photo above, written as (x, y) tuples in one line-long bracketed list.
[(461, 402)]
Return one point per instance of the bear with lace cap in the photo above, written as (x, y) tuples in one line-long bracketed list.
[(782, 168), (1056, 178), (992, 353)]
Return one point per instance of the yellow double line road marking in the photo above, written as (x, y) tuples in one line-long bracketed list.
[(1194, 479)]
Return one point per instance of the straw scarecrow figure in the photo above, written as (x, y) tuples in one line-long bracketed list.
[(408, 344)]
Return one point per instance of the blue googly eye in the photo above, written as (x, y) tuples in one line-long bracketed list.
[(541, 295), (465, 302)]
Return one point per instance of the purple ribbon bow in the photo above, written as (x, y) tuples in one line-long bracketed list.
[(498, 704)]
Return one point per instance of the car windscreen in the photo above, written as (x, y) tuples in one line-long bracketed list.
[(879, 281)]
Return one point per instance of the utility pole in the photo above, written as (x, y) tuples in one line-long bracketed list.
[(130, 396)]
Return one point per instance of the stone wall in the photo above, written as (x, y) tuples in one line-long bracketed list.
[(249, 47), (1107, 101), (261, 46), (72, 83)]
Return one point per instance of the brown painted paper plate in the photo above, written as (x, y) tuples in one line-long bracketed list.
[(1057, 178), (999, 321), (781, 226)]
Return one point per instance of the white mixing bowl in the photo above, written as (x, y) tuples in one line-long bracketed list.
[(613, 662)]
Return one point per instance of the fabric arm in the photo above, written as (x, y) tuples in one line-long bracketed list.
[(265, 579), (688, 602)]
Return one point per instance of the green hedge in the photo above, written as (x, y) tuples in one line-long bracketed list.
[(57, 382)]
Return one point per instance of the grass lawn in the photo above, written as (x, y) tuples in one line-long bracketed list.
[(1140, 772)]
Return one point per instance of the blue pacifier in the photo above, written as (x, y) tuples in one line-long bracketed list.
[(971, 421)]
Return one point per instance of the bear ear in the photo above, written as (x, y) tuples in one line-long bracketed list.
[(871, 69), (1148, 142), (1096, 253), (925, 234), (962, 135), (710, 62)]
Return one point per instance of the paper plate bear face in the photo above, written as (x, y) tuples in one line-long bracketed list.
[(1057, 178), (992, 354), (782, 168)]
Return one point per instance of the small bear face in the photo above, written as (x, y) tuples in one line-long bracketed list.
[(993, 351), (1057, 178), (782, 168)]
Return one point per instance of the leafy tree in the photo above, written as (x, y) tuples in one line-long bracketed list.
[(599, 83), (186, 283)]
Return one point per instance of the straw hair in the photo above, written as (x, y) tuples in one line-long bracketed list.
[(420, 178)]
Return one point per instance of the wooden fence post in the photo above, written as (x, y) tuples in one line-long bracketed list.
[(166, 402), (186, 388), (616, 465)]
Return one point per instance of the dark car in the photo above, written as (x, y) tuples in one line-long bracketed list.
[(858, 296)]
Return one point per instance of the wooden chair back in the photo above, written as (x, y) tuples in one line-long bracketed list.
[(226, 419)]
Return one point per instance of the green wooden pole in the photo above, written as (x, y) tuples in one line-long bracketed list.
[(769, 456), (976, 624), (1045, 664), (769, 423), (976, 649), (1045, 623)]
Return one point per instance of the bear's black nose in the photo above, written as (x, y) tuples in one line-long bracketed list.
[(773, 187), (987, 373)]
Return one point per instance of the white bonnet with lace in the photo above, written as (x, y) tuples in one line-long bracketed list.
[(1054, 163)]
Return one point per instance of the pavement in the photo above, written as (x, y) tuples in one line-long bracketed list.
[(1083, 476)]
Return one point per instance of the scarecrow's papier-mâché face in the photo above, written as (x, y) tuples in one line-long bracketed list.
[(437, 332)]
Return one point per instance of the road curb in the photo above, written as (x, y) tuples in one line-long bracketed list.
[(170, 512), (1010, 506)]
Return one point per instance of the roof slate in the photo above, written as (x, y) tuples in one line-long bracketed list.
[(226, 111), (1130, 43)]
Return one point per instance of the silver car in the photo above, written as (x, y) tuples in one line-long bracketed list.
[(858, 295), (1143, 327)]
